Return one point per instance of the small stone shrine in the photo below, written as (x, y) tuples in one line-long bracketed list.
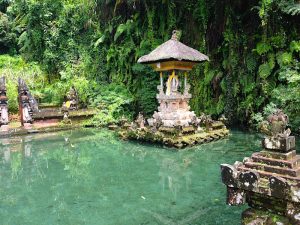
[(3, 105), (27, 104), (174, 124), (268, 181)]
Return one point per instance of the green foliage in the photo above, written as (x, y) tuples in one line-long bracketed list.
[(254, 54), (284, 58), (14, 67), (287, 93), (8, 36), (113, 103), (292, 9), (258, 118), (295, 46), (262, 48), (264, 70)]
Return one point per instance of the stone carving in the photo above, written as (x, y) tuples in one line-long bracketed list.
[(275, 125), (270, 179), (235, 196), (278, 137), (72, 99), (65, 111), (187, 90), (278, 186), (160, 89), (27, 104), (223, 119), (229, 175), (3, 103), (140, 121), (248, 180)]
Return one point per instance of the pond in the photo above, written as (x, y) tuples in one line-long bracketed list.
[(88, 176)]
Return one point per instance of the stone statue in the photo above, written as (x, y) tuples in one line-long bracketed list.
[(174, 84), (140, 120), (187, 89), (223, 119), (160, 89), (275, 125), (27, 104), (65, 111), (72, 98), (275, 129), (3, 103)]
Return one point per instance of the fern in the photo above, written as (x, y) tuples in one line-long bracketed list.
[(284, 58), (295, 46), (293, 9), (264, 70), (262, 48), (251, 62)]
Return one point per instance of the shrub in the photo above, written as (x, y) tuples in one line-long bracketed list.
[(113, 102)]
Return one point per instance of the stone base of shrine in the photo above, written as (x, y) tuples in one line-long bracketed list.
[(261, 217), (169, 137)]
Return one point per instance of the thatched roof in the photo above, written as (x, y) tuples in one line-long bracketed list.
[(173, 50)]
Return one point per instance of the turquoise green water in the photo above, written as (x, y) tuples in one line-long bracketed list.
[(91, 177)]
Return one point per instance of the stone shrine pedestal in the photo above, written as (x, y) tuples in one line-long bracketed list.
[(268, 181)]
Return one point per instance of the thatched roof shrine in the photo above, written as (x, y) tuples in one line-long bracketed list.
[(173, 50)]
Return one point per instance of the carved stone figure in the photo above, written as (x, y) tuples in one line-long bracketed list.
[(3, 103), (73, 99), (140, 121), (187, 89), (27, 104), (275, 125), (65, 111), (277, 134), (174, 84)]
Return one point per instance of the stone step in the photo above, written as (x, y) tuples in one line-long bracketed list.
[(278, 155), (267, 175), (273, 169), (292, 163)]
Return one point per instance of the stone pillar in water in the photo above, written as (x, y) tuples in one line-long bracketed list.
[(268, 181)]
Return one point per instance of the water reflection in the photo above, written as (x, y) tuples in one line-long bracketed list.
[(6, 151), (173, 174)]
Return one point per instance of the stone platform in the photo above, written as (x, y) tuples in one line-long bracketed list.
[(45, 127), (48, 120), (169, 136), (56, 113)]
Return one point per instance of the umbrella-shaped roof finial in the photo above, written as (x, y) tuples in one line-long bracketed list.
[(175, 35)]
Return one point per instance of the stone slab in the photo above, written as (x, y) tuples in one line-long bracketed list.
[(273, 169), (279, 144), (278, 155), (292, 163), (267, 175)]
